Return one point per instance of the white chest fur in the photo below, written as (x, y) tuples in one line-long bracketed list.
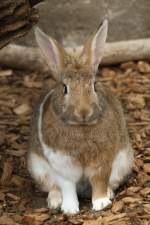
[(61, 164)]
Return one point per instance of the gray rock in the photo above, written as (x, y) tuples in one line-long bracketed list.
[(71, 21)]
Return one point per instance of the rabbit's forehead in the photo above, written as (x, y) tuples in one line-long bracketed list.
[(78, 77)]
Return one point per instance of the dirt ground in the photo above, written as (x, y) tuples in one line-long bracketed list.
[(21, 202)]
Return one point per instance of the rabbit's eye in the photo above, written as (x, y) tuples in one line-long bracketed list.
[(65, 89)]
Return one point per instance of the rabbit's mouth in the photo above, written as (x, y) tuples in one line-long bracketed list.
[(77, 122), (83, 123)]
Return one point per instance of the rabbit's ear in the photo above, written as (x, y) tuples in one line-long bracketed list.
[(93, 50), (52, 52)]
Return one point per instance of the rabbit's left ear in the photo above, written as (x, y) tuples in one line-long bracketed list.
[(52, 51), (94, 47)]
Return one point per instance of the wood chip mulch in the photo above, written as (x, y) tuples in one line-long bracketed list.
[(21, 202)]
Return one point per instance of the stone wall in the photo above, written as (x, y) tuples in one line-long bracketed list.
[(71, 21)]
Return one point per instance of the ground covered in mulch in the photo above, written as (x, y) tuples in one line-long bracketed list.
[(21, 202)]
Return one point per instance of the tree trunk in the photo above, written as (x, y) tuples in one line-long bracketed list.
[(21, 57), (16, 19)]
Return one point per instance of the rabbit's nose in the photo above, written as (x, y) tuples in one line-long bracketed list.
[(83, 114)]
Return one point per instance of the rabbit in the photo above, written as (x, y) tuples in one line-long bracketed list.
[(78, 131)]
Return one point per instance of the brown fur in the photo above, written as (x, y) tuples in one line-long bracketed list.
[(92, 146), (86, 124)]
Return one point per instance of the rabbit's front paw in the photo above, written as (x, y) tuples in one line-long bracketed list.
[(70, 207), (54, 199), (101, 203)]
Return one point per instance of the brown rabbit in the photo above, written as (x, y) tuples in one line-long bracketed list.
[(78, 131)]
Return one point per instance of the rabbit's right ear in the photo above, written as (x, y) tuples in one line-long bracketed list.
[(94, 47), (53, 53)]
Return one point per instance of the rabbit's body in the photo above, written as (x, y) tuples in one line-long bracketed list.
[(79, 133)]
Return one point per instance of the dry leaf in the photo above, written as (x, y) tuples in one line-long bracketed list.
[(2, 196), (146, 167), (133, 189), (35, 218), (98, 221), (114, 217), (147, 208), (17, 218), (145, 191), (145, 222), (128, 65), (92, 222), (18, 181), (143, 67), (7, 172), (122, 222), (41, 210), (6, 220), (131, 200), (142, 178), (147, 151), (5, 73), (13, 196), (31, 83), (136, 101), (106, 72), (23, 109), (117, 206)]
